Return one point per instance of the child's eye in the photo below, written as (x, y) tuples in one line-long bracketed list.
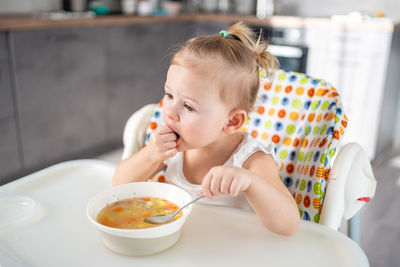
[(168, 95), (189, 108)]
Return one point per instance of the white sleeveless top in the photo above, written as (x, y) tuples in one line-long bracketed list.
[(248, 146)]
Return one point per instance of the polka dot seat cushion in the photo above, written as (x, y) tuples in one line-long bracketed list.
[(304, 118)]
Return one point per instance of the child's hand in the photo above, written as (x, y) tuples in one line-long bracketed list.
[(162, 143), (225, 180)]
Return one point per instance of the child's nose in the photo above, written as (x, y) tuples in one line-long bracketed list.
[(172, 114)]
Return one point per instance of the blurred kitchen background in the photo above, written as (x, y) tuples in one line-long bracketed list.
[(73, 71)]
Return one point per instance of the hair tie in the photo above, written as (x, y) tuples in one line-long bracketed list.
[(223, 33)]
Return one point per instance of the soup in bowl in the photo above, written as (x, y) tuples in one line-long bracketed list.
[(131, 213), (134, 238)]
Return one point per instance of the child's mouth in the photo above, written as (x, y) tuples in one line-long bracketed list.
[(177, 136)]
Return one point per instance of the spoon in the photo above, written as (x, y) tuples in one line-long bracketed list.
[(156, 219)]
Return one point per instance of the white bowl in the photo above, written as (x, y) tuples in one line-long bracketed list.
[(135, 242)]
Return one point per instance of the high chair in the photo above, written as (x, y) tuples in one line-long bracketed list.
[(304, 118)]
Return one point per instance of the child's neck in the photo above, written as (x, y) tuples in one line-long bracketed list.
[(197, 162)]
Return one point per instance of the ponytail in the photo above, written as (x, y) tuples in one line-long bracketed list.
[(244, 34)]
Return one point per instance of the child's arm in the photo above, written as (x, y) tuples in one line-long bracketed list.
[(149, 160), (269, 197), (260, 182)]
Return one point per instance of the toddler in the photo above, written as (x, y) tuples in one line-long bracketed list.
[(211, 87)]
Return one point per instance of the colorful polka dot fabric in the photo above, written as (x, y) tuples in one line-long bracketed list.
[(304, 118)]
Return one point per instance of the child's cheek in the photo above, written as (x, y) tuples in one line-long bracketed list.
[(190, 134)]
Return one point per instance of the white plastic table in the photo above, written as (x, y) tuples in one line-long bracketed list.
[(58, 233)]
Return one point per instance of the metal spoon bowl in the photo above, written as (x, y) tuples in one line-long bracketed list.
[(164, 218)]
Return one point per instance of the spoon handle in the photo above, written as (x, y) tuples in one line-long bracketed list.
[(184, 206)]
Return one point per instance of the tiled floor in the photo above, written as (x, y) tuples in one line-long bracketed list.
[(380, 225)]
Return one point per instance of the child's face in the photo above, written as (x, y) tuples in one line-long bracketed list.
[(192, 108)]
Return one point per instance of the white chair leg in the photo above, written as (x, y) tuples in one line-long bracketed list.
[(354, 228)]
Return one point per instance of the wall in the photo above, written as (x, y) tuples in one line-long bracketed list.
[(285, 7), (312, 8), (24, 6)]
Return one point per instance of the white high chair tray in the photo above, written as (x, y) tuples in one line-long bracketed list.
[(58, 233)]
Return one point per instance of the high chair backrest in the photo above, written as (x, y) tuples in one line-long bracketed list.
[(304, 119)]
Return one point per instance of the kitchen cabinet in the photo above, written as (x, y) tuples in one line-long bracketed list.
[(355, 59), (6, 100), (3, 47), (62, 93), (10, 157), (11, 164)]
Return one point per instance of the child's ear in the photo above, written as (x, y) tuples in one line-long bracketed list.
[(235, 121)]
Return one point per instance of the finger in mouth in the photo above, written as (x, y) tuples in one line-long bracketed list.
[(177, 137)]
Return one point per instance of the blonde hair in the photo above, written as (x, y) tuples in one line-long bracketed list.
[(235, 63)]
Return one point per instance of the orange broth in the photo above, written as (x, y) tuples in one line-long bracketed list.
[(130, 213)]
